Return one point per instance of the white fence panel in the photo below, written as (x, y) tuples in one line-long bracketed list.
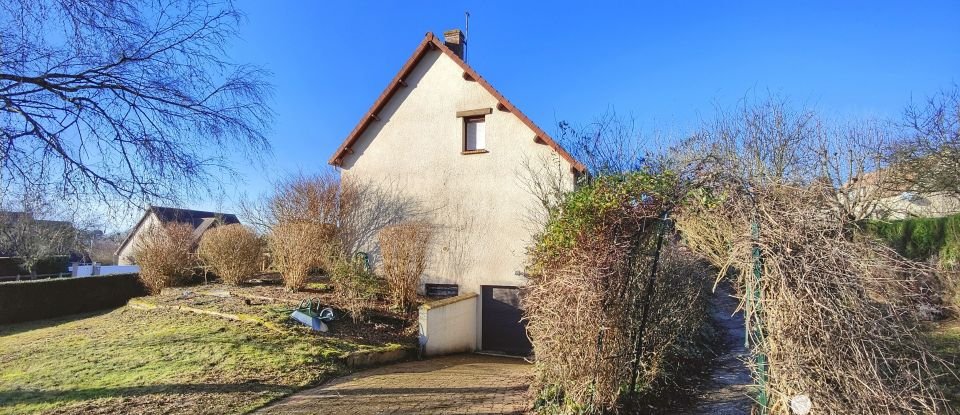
[(97, 269)]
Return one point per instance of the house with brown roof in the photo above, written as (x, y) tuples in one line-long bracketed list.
[(201, 221), (452, 143)]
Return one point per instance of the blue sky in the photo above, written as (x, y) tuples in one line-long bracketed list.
[(666, 63)]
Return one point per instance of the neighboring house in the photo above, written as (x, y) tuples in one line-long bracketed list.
[(452, 144), (201, 221), (883, 197), (910, 204)]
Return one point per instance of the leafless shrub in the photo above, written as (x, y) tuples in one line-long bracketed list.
[(302, 198), (302, 217), (356, 285), (347, 214), (404, 251), (297, 248), (582, 320), (234, 252), (163, 254), (579, 324), (678, 316)]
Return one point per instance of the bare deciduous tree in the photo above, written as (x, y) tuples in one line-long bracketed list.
[(35, 228), (766, 140), (610, 144), (769, 141), (927, 159), (851, 159), (121, 99)]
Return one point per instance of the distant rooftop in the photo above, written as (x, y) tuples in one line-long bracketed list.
[(195, 218)]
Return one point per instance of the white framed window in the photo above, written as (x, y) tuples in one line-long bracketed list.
[(474, 134)]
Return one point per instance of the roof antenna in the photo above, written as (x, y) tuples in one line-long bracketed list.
[(466, 15)]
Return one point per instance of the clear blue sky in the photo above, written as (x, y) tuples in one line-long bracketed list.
[(665, 63)]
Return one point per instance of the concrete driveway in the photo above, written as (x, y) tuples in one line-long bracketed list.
[(460, 384)]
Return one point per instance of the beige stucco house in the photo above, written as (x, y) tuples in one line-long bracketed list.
[(882, 195), (201, 221), (444, 138)]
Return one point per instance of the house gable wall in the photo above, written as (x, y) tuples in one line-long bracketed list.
[(478, 203), (125, 253)]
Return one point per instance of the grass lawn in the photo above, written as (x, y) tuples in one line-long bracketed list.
[(156, 361), (946, 341)]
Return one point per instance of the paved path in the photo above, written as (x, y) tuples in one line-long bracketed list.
[(461, 384), (727, 392)]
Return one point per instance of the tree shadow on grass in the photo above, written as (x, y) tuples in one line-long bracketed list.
[(16, 328), (34, 396)]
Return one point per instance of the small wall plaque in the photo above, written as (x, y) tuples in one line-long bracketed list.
[(442, 290)]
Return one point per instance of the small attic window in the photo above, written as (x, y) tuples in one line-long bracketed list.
[(474, 130), (475, 134)]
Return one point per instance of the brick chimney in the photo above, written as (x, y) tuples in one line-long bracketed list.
[(455, 40)]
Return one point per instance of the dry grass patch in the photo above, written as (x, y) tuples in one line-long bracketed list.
[(160, 361)]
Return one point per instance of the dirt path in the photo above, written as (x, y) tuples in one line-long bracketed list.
[(727, 390), (461, 384)]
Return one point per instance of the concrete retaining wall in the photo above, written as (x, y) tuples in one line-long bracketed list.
[(449, 326)]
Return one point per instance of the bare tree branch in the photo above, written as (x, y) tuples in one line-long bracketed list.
[(122, 100)]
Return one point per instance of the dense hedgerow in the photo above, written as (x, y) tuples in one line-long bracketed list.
[(922, 238), (585, 300)]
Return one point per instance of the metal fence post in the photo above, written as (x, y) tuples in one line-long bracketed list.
[(638, 345), (753, 295)]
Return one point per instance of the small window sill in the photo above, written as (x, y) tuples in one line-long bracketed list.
[(468, 152)]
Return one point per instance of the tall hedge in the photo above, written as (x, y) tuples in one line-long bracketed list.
[(34, 300), (49, 265), (922, 238)]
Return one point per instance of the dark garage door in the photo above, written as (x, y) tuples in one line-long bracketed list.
[(502, 330)]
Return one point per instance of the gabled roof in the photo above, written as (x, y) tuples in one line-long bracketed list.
[(194, 217), (200, 220), (431, 42), (9, 217)]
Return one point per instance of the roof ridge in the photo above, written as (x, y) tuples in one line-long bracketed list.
[(151, 207), (431, 41)]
